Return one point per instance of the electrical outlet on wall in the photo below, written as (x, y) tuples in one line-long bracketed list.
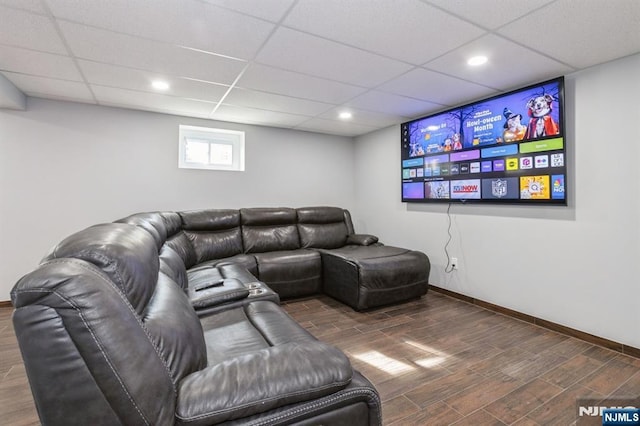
[(454, 263)]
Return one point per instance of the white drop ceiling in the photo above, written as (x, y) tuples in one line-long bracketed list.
[(299, 63)]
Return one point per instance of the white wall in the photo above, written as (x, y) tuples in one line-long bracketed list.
[(65, 166), (579, 265)]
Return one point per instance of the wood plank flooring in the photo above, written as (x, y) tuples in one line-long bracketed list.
[(442, 361), (16, 402), (435, 361)]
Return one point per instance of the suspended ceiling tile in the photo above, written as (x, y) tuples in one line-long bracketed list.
[(509, 64), (271, 10), (140, 80), (273, 102), (434, 87), (364, 117), (276, 80), (50, 88), (307, 54), (151, 101), (392, 104), (490, 14), (27, 5), (333, 127), (580, 34), (30, 31), (38, 63), (187, 23), (410, 31), (257, 116), (133, 52)]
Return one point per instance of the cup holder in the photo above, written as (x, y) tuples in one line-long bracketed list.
[(257, 291)]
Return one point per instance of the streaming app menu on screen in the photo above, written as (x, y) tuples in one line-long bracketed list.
[(508, 148)]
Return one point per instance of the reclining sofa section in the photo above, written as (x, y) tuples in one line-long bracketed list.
[(173, 318), (295, 252), (108, 337)]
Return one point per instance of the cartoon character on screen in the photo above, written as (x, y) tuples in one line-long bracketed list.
[(514, 130), (448, 145), (541, 123), (415, 149), (457, 143)]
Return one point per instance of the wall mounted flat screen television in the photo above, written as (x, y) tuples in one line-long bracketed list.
[(508, 148)]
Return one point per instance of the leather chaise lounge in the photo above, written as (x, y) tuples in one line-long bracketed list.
[(174, 318)]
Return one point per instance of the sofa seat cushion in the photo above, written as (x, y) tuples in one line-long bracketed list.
[(247, 261), (204, 275), (251, 327), (275, 324), (259, 359), (230, 334), (291, 273), (364, 253), (261, 381)]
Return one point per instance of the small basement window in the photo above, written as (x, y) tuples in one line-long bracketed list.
[(211, 149)]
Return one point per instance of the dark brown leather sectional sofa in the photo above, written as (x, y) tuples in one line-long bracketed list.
[(173, 318)]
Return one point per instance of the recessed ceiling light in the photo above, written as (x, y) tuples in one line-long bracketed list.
[(477, 60), (345, 115), (160, 85)]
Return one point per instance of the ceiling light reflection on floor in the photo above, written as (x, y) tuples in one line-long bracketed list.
[(384, 363)]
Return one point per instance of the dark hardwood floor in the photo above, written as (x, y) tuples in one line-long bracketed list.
[(435, 361), (16, 403)]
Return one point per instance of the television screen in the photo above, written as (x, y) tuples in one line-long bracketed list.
[(508, 148)]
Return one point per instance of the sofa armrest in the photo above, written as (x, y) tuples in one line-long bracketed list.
[(362, 239), (260, 381), (207, 293)]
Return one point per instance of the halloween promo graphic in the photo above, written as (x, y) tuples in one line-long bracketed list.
[(522, 116)]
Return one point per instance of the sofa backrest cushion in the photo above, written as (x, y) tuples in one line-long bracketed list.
[(175, 329), (322, 227), (181, 244), (172, 222), (126, 253), (269, 229), (172, 265), (152, 222), (214, 234)]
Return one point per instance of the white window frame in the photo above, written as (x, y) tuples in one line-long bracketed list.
[(222, 137)]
